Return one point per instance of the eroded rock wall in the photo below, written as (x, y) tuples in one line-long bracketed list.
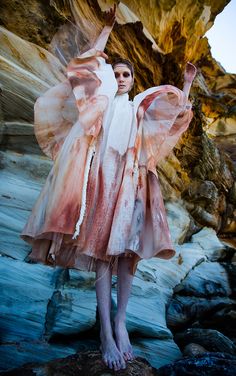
[(198, 178)]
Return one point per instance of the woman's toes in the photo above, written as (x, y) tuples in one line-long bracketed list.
[(116, 365), (126, 356)]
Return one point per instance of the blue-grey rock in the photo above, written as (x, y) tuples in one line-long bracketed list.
[(157, 352), (25, 293), (37, 301), (205, 280), (14, 355), (75, 305), (185, 310), (146, 310)]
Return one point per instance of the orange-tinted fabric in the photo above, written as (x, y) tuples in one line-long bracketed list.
[(104, 180)]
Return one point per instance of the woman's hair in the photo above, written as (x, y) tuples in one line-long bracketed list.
[(120, 60)]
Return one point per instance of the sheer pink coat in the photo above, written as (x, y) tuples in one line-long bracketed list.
[(102, 197)]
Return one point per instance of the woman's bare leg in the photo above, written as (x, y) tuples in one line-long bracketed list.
[(110, 353), (124, 284)]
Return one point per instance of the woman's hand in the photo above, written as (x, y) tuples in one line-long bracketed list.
[(93, 52), (110, 16), (190, 72)]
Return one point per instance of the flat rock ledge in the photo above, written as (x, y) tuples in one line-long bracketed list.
[(90, 363)]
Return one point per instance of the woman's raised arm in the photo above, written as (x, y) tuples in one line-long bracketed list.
[(110, 17), (189, 74)]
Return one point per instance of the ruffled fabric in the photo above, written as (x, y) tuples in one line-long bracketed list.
[(102, 198)]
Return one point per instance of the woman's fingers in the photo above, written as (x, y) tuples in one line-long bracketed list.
[(102, 54), (110, 16), (190, 72), (94, 52)]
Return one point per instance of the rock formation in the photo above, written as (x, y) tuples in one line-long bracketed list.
[(89, 363), (50, 313)]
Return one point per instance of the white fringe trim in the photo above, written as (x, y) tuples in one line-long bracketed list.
[(91, 152), (135, 173)]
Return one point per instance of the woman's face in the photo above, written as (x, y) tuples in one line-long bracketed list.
[(123, 77)]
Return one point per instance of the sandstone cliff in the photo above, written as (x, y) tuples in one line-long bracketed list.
[(198, 178)]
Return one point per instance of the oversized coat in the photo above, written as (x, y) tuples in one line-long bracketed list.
[(102, 197)]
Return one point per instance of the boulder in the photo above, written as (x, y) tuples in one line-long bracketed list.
[(210, 339), (209, 364)]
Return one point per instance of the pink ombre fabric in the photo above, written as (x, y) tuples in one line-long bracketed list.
[(102, 197)]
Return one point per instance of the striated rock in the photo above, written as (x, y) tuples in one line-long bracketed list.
[(218, 104), (168, 273), (178, 227), (223, 128), (229, 220), (206, 195), (72, 308), (172, 177), (196, 284), (158, 352), (227, 144), (211, 173), (206, 202), (49, 313), (26, 72), (205, 299), (71, 305), (208, 240), (148, 319), (15, 354), (21, 178), (35, 69), (42, 16), (24, 305)]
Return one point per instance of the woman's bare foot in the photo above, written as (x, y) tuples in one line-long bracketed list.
[(110, 353), (122, 340)]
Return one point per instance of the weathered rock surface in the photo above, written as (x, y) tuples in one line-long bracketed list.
[(151, 38), (49, 313), (88, 363), (69, 306), (184, 311), (205, 299), (210, 339), (209, 364), (15, 354), (216, 284)]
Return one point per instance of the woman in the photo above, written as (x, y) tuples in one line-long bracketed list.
[(101, 208)]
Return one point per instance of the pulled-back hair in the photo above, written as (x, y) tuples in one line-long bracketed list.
[(120, 60)]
